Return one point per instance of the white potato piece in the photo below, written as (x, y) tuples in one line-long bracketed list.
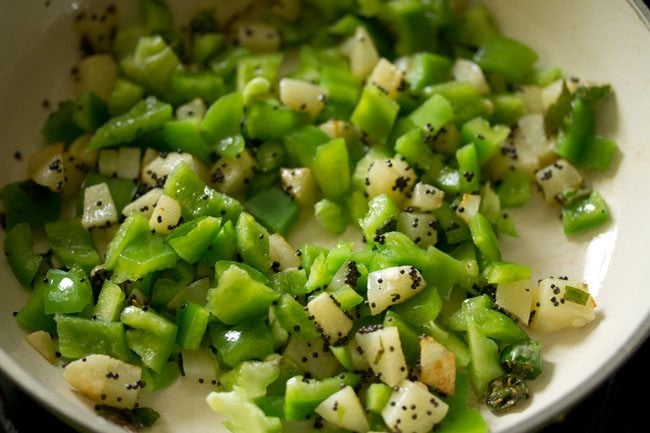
[(99, 208), (559, 304), (330, 319), (361, 52), (557, 178), (437, 366), (423, 409), (382, 349), (303, 96), (343, 409), (105, 380), (46, 168), (166, 215)]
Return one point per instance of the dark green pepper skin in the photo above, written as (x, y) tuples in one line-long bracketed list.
[(523, 358), (506, 391)]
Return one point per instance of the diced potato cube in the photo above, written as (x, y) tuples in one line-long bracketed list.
[(99, 208), (166, 215), (559, 304)]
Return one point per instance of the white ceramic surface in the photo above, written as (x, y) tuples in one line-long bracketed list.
[(598, 40)]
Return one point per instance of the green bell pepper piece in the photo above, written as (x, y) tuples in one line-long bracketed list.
[(270, 156), (188, 85), (425, 69), (469, 168), (302, 143), (331, 168), (331, 216), (28, 202), (508, 108), (60, 125), (414, 146), (151, 65), (144, 254), (223, 118), (465, 100), (248, 340), (433, 114), (413, 25), (124, 96), (259, 65), (485, 137), (253, 242), (222, 266), (442, 273), (514, 189), (507, 57), (422, 308), (455, 230), (585, 214), (377, 396), (303, 395), (19, 250), (196, 198), (150, 336), (91, 111), (223, 246), (381, 212), (487, 321), (80, 337), (132, 228), (184, 135), (399, 250), (598, 154), (156, 16), (67, 292), (484, 365), (145, 117), (238, 297), (474, 27), (342, 89), (484, 237), (503, 272), (290, 281), (191, 240), (72, 244), (274, 209), (31, 316), (205, 46), (375, 114), (192, 321), (570, 143), (269, 120), (110, 302)]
